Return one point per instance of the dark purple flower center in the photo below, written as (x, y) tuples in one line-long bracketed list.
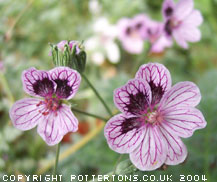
[(138, 25), (43, 87), (169, 11), (63, 90), (129, 30), (168, 27)]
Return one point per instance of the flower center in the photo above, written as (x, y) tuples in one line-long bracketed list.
[(154, 117), (170, 25), (52, 104)]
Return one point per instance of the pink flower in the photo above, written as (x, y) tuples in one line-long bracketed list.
[(154, 33), (182, 21), (131, 33), (154, 118), (54, 119)]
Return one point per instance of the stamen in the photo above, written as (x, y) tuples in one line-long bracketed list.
[(45, 113), (153, 117), (40, 103)]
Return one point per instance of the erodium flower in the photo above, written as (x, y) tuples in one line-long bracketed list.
[(131, 33), (154, 118), (53, 117), (154, 33), (182, 21)]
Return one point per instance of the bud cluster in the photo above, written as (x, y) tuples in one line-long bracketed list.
[(69, 53)]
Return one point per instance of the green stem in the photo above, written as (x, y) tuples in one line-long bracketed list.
[(89, 114), (97, 94), (57, 159)]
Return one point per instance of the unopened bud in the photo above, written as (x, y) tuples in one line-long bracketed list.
[(69, 53)]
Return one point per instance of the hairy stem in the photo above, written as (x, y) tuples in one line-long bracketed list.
[(97, 94), (57, 159), (88, 114)]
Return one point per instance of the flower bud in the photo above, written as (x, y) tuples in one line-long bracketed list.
[(69, 53)]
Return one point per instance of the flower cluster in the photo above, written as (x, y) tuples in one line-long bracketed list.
[(180, 22), (53, 117), (154, 116)]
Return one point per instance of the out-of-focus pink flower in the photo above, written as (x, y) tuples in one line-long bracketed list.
[(155, 35), (131, 33), (154, 117), (54, 119), (182, 21)]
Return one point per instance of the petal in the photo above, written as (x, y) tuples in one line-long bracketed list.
[(56, 125), (162, 43), (122, 26), (194, 19), (186, 33), (67, 80), (133, 98), (37, 83), (133, 45), (183, 121), (124, 133), (181, 94), (66, 120), (168, 8), (158, 77), (112, 51), (25, 113), (183, 9), (180, 40), (49, 129), (176, 149), (151, 154)]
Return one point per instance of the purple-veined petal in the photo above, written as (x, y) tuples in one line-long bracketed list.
[(25, 114), (57, 124), (49, 129), (67, 80), (158, 77), (151, 153), (67, 121), (168, 8), (124, 133), (183, 9), (176, 149), (133, 98), (182, 94), (37, 83), (183, 121), (194, 19)]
